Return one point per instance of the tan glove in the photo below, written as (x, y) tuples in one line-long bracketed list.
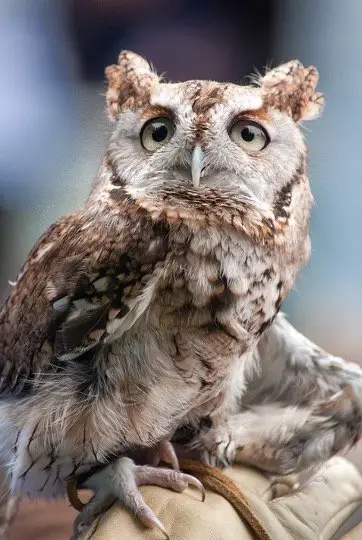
[(316, 511)]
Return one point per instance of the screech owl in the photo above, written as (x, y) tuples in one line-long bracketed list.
[(147, 309)]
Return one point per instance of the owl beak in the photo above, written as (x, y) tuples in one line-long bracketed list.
[(197, 164)]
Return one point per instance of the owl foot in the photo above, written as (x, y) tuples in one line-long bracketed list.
[(217, 448), (120, 481)]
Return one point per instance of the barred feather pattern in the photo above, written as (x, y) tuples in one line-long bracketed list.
[(150, 308)]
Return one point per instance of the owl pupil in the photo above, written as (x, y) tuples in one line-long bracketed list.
[(247, 134), (159, 133)]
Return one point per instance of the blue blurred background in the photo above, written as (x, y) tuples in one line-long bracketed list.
[(53, 127), (53, 130)]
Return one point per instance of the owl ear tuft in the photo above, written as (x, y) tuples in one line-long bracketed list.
[(129, 83), (291, 89)]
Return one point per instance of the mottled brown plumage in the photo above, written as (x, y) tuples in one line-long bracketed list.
[(74, 261), (145, 312)]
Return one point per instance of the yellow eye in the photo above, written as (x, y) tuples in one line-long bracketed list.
[(249, 135), (157, 132)]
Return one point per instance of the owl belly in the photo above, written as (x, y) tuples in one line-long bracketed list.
[(217, 304)]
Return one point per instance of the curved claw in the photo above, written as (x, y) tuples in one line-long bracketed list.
[(90, 512), (146, 515), (161, 527), (171, 456), (165, 452), (195, 482)]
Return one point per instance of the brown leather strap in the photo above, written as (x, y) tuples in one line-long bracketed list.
[(218, 482), (72, 492)]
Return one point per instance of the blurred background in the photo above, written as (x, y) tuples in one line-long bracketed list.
[(53, 126)]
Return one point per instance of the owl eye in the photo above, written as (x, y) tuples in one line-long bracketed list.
[(157, 132), (249, 135)]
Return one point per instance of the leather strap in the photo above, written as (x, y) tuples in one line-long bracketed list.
[(221, 484), (73, 497)]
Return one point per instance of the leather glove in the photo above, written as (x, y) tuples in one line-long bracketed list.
[(315, 511)]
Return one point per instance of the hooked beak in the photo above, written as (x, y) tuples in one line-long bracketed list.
[(197, 164)]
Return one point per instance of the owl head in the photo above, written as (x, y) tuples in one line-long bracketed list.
[(204, 150)]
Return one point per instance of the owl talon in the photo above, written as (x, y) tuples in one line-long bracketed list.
[(164, 452), (85, 521), (121, 481)]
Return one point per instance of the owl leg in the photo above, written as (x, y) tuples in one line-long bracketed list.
[(284, 440), (120, 481), (302, 408), (295, 371)]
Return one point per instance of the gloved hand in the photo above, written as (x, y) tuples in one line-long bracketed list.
[(315, 511)]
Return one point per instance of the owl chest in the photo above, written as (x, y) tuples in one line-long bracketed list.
[(214, 305), (235, 286)]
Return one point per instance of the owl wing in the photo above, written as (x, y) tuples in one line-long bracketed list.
[(296, 371), (82, 286)]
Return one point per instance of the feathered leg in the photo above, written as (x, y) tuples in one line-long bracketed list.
[(303, 408)]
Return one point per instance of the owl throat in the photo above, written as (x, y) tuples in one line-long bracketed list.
[(197, 208)]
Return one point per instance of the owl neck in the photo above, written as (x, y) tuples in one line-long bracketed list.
[(195, 208)]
